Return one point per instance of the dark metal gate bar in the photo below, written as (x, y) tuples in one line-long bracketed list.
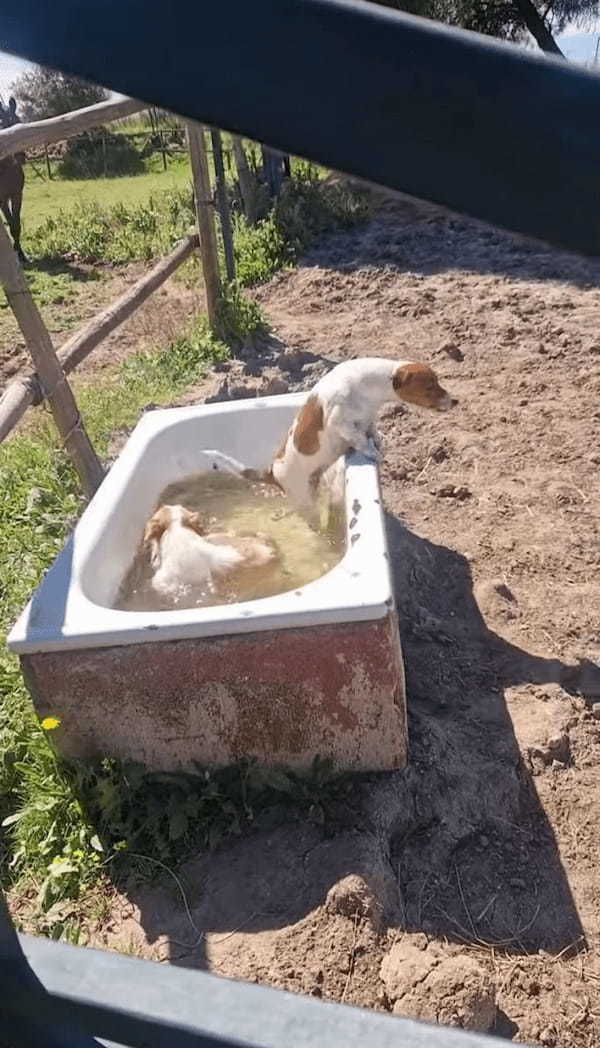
[(480, 126), (500, 134), (59, 996)]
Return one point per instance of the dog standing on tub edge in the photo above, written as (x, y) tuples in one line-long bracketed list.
[(340, 415)]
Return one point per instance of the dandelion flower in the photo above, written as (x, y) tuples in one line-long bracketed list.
[(50, 723)]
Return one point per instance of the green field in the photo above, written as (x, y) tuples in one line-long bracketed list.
[(43, 199)]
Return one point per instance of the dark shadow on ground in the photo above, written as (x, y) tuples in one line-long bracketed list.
[(458, 842), (62, 267), (418, 238)]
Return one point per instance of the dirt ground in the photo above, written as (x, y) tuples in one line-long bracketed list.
[(464, 889)]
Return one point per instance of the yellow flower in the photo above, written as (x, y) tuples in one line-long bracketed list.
[(50, 723)]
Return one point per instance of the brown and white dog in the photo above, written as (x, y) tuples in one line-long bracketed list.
[(185, 557), (341, 415)]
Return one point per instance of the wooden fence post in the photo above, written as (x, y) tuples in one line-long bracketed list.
[(246, 180), (50, 374), (223, 203), (206, 222)]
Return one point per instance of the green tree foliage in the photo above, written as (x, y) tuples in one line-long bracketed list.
[(508, 19), (42, 93)]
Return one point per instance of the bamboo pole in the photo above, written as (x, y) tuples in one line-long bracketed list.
[(51, 376), (26, 389), (223, 203), (206, 222)]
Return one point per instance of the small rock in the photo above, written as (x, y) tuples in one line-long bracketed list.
[(241, 390), (503, 591), (558, 746), (404, 967), (439, 453), (353, 895), (221, 393), (253, 368), (274, 386), (453, 351), (518, 883), (451, 491), (596, 710), (557, 765), (456, 991), (294, 359), (548, 1036)]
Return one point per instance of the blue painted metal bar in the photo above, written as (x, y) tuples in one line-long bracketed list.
[(482, 127), (146, 1005)]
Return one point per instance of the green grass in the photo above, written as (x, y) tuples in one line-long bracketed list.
[(43, 200), (39, 502)]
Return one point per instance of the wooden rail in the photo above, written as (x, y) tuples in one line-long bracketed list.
[(20, 137), (49, 379), (26, 390), (50, 374)]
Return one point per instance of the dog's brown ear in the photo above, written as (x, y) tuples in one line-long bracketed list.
[(406, 374), (195, 521), (157, 525), (154, 531), (309, 423)]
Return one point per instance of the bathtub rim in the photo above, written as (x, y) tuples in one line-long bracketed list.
[(358, 588)]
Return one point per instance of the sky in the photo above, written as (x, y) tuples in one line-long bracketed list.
[(577, 45)]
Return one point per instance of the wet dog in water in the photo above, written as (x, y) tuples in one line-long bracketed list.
[(185, 557)]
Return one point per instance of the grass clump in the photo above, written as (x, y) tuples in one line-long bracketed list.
[(117, 233), (39, 503)]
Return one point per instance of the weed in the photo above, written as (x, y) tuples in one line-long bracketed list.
[(39, 503), (240, 317), (119, 233), (308, 208)]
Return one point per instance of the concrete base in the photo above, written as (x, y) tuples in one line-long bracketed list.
[(282, 696)]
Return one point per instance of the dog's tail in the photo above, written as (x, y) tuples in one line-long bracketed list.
[(231, 465)]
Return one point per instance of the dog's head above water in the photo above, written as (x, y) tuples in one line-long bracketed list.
[(418, 384), (164, 518)]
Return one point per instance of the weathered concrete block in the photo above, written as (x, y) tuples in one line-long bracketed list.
[(282, 696)]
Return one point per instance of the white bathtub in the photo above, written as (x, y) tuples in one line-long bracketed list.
[(315, 671), (72, 607)]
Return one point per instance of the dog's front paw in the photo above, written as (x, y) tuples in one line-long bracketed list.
[(373, 450)]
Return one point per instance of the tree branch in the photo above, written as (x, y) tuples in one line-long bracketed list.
[(537, 27)]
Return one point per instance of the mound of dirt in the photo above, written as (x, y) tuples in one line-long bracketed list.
[(422, 983)]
